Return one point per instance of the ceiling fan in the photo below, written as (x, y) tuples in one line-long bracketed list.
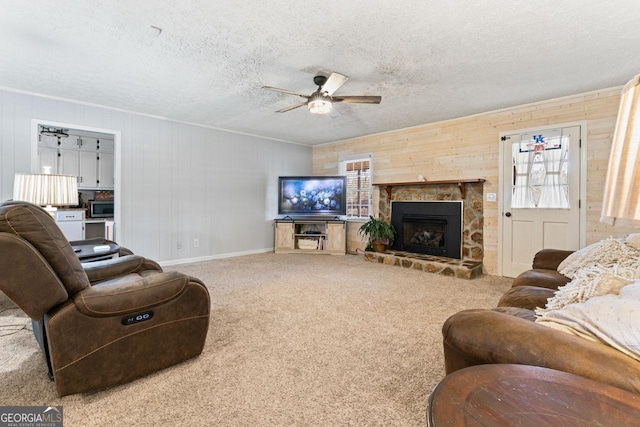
[(321, 101), (51, 131)]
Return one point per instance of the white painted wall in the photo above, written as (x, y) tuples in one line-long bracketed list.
[(179, 181)]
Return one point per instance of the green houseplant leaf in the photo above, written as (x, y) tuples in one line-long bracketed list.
[(377, 230)]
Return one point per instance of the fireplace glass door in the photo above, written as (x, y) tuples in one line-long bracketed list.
[(424, 234)]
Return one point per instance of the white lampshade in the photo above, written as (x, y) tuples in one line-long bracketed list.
[(46, 189), (621, 205)]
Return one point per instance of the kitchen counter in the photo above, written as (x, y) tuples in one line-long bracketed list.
[(86, 228), (97, 220)]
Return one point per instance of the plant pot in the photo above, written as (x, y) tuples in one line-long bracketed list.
[(379, 246)]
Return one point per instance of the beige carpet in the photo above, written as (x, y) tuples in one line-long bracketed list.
[(294, 340)]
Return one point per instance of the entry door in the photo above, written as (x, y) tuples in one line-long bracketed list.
[(541, 195)]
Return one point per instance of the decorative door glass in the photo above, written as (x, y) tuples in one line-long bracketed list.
[(540, 170)]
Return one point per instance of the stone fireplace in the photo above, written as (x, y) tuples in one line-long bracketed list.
[(468, 196)]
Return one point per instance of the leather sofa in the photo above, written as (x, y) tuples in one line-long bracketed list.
[(508, 333), (103, 323)]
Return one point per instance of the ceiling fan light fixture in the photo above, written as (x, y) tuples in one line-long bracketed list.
[(321, 101), (51, 131), (319, 105)]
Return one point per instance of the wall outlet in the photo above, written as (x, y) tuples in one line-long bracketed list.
[(179, 245), (196, 243), (491, 197)]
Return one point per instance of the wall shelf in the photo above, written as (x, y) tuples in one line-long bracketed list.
[(459, 182)]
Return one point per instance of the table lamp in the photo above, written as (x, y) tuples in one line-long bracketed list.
[(49, 190), (621, 205)]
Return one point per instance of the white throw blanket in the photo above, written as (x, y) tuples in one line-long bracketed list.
[(609, 252), (599, 269), (602, 301), (613, 320)]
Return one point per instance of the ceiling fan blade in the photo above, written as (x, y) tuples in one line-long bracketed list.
[(285, 91), (292, 107), (357, 99), (334, 81)]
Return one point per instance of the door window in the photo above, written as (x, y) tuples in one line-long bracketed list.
[(540, 170)]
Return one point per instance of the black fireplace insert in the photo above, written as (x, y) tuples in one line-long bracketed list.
[(433, 228)]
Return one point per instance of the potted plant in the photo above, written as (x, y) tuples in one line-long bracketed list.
[(380, 233)]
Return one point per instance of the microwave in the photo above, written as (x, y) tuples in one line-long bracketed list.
[(100, 209)]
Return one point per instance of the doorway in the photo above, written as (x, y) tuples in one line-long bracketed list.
[(542, 188), (70, 161)]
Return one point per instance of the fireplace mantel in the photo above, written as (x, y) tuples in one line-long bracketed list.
[(460, 182)]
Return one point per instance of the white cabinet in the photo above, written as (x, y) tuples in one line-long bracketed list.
[(310, 236), (48, 141), (69, 143), (88, 167), (71, 222), (106, 145), (106, 171), (69, 163), (88, 144), (89, 159), (82, 164), (74, 226), (47, 157)]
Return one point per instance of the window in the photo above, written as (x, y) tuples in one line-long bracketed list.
[(540, 170), (359, 189)]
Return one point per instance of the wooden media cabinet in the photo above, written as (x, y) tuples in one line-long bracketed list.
[(315, 236)]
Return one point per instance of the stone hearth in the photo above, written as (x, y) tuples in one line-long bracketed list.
[(429, 263)]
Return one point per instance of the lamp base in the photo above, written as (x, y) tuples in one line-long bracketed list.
[(51, 209)]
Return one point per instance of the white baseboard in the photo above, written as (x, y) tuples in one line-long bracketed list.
[(212, 257)]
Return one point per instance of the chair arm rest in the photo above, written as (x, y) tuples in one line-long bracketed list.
[(529, 297), (549, 259), (130, 294), (473, 337), (111, 268)]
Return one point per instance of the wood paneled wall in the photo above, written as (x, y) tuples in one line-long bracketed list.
[(468, 148), (178, 181)]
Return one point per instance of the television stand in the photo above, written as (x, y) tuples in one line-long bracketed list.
[(314, 236)]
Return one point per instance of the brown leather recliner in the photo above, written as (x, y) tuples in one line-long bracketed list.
[(103, 324), (508, 333)]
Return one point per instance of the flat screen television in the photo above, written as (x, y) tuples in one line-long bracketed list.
[(312, 195)]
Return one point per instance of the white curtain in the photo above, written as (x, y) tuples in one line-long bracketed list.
[(554, 189)]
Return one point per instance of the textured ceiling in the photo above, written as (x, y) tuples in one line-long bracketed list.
[(429, 60)]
